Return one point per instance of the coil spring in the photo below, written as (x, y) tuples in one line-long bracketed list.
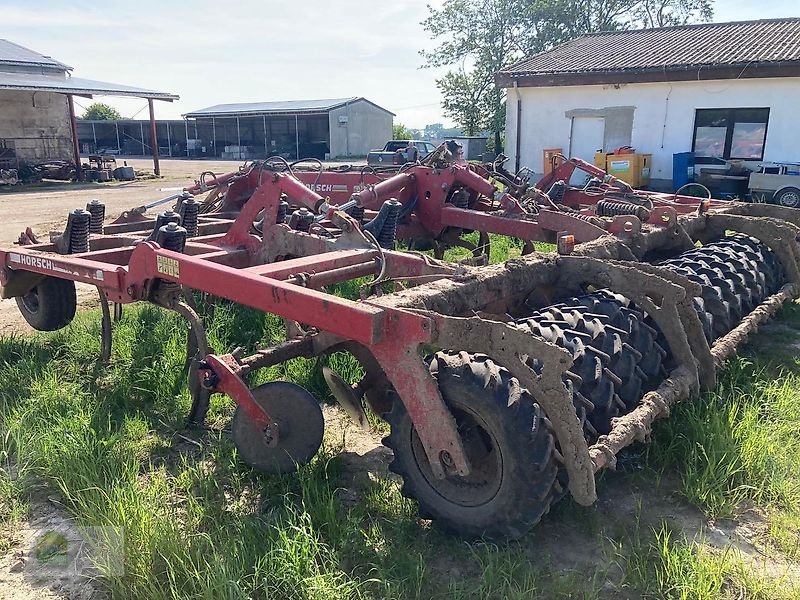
[(283, 210), (167, 216), (611, 208), (98, 212), (301, 219), (388, 233), (357, 212), (78, 224), (171, 237), (460, 199), (189, 211)]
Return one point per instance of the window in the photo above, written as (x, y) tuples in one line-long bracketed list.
[(737, 133)]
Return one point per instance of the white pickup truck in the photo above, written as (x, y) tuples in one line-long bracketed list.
[(777, 183), (395, 153)]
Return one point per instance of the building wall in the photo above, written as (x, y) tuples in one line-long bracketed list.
[(367, 128), (654, 118), (38, 123)]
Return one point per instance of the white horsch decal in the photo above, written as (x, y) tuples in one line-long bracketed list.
[(33, 261), (38, 262)]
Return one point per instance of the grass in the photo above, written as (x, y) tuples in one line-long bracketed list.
[(111, 444)]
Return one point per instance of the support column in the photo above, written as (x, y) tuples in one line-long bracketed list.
[(76, 151), (154, 138), (141, 138), (186, 127), (94, 137), (214, 136), (116, 126), (238, 137), (266, 144), (169, 141), (296, 139)]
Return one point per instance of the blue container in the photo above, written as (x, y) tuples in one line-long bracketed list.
[(682, 169)]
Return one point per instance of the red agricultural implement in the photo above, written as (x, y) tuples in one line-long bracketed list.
[(504, 385)]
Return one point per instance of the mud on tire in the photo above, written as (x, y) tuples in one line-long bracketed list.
[(509, 444)]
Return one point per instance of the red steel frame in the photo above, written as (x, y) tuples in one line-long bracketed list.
[(229, 261)]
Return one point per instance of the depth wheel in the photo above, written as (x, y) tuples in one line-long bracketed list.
[(300, 428), (788, 197), (50, 304), (507, 441)]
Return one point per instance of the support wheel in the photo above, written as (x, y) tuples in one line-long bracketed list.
[(50, 304), (788, 197), (509, 444), (300, 428)]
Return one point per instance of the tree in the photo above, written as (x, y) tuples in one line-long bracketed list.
[(481, 37), (401, 132), (101, 112), (464, 99), (663, 13), (433, 131)]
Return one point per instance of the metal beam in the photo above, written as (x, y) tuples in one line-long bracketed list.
[(154, 138), (76, 151), (296, 139)]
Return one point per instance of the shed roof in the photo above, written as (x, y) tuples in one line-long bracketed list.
[(14, 54), (77, 86), (288, 107), (740, 49)]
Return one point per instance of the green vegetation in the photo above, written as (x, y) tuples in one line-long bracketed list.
[(98, 111), (401, 132), (111, 443)]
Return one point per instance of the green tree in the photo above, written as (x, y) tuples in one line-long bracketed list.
[(663, 13), (401, 132), (481, 37), (99, 111)]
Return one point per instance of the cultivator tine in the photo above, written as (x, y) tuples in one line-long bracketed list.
[(105, 329), (197, 348), (347, 397)]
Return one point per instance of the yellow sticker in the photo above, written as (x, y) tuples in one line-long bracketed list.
[(168, 266)]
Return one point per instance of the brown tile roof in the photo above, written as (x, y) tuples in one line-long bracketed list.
[(692, 50)]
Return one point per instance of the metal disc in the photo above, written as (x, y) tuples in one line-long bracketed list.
[(300, 428)]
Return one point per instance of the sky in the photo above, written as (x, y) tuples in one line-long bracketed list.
[(248, 51)]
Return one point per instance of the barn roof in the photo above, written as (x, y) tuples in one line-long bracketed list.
[(740, 49)]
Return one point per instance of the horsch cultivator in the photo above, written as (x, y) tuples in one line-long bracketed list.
[(505, 385)]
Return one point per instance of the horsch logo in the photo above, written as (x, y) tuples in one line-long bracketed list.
[(32, 261)]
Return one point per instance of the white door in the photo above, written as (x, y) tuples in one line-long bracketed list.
[(587, 138)]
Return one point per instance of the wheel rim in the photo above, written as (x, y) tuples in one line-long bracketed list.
[(31, 301), (485, 458), (790, 199)]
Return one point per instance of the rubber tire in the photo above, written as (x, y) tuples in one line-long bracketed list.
[(56, 302), (790, 194), (529, 466)]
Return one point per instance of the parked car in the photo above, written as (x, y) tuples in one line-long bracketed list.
[(395, 152)]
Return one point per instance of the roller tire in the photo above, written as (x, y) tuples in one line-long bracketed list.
[(513, 484), (50, 304)]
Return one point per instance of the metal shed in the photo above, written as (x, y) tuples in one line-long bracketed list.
[(37, 113), (292, 129)]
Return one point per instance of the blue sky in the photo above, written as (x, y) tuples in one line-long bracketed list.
[(239, 51)]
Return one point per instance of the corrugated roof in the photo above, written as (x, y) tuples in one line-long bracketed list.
[(684, 47), (76, 85), (14, 54), (280, 107)]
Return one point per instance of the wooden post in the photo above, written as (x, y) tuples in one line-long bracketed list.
[(76, 151), (154, 138)]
